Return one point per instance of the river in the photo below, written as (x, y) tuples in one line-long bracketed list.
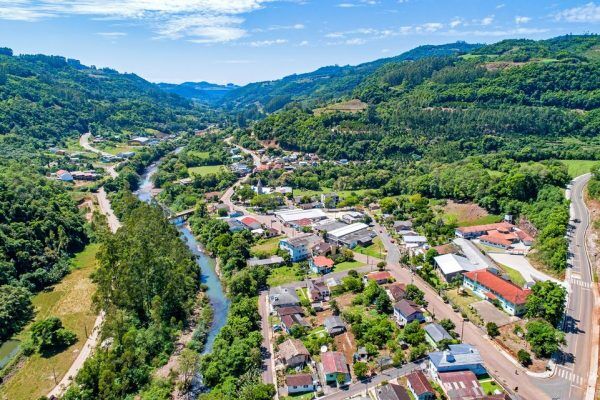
[(208, 276)]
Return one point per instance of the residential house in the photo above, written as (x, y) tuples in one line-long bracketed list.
[(448, 248), (435, 333), (419, 386), (461, 385), (64, 176), (300, 246), (458, 357), (251, 223), (333, 282), (403, 226), (452, 266), (283, 296), (407, 311), (288, 321), (396, 291), (353, 217), (317, 291), (139, 141), (381, 277), (321, 265), (487, 285), (235, 225), (300, 383), (391, 391), (292, 353), (334, 325), (334, 365), (323, 249)]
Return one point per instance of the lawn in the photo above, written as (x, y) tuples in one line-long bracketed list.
[(201, 154), (71, 301), (463, 302), (120, 148), (299, 396), (268, 246), (346, 265), (205, 169), (578, 167), (490, 386), (282, 275), (514, 275), (376, 249)]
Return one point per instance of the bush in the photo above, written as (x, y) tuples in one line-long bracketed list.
[(524, 357), (492, 329)]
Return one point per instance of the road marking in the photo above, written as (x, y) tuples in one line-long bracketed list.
[(580, 283), (570, 376)]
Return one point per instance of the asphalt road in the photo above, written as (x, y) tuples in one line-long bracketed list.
[(576, 373)]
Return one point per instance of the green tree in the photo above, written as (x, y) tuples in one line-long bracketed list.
[(49, 336), (524, 357), (546, 301), (15, 310), (413, 333), (543, 338), (383, 304), (492, 329), (361, 369), (415, 294)]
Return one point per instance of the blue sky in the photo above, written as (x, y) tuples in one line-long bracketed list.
[(243, 41)]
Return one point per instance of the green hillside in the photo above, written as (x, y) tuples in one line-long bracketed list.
[(324, 84), (446, 108)]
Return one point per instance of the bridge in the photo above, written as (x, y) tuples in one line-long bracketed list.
[(181, 216)]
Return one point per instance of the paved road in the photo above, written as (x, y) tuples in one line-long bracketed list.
[(84, 141), (576, 377), (267, 349)]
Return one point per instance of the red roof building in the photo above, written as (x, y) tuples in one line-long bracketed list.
[(334, 362), (250, 222), (379, 277), (419, 385), (491, 286), (469, 232)]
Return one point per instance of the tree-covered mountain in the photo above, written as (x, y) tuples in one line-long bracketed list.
[(325, 83), (541, 105), (204, 92), (46, 98)]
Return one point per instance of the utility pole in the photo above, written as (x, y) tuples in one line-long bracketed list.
[(462, 330)]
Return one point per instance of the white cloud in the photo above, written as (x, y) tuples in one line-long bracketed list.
[(355, 41), (487, 20), (522, 20), (507, 32), (456, 22), (111, 34), (201, 21), (303, 43), (589, 12), (265, 43)]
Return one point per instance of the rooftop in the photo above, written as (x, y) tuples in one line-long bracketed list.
[(291, 348), (299, 380), (303, 239), (461, 385), (322, 261), (334, 362), (487, 227), (419, 383), (457, 355), (437, 332), (406, 307), (392, 391), (298, 214), (346, 230), (500, 287), (378, 276), (451, 263)]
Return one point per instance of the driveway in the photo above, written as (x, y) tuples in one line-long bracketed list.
[(489, 313), (521, 264)]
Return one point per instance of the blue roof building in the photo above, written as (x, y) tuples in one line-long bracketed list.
[(459, 357)]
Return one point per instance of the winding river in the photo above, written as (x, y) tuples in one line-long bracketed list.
[(208, 276)]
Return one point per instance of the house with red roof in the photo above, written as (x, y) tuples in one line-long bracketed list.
[(419, 386), (461, 385), (321, 265), (472, 232), (251, 223), (300, 383), (334, 365), (381, 277), (490, 286)]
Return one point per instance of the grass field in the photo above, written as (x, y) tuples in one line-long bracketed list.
[(268, 246), (467, 214), (201, 154), (346, 265), (71, 301), (282, 275), (490, 386), (341, 193), (579, 167), (376, 249), (205, 169), (121, 148)]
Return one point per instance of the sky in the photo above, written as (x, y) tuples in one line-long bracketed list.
[(242, 41)]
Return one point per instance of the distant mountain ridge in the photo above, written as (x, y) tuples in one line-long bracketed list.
[(204, 92), (321, 85)]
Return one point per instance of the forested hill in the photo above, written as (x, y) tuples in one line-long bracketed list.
[(529, 99), (325, 83), (49, 97), (204, 92)]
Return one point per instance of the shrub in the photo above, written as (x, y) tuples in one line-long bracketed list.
[(49, 336), (524, 357), (492, 329)]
